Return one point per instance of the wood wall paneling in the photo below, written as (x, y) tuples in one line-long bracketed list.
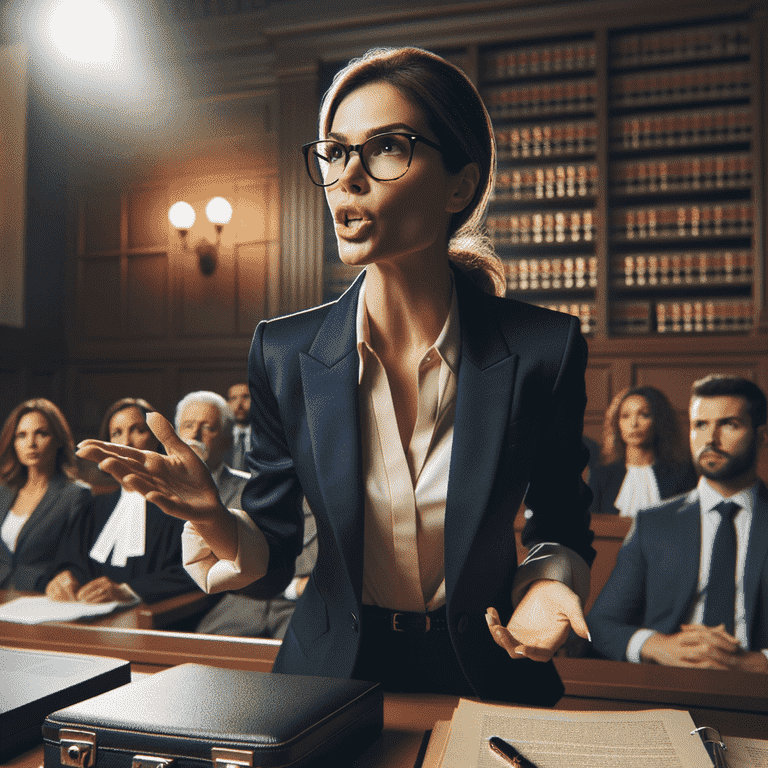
[(210, 378), (99, 302), (102, 221), (147, 295), (94, 389), (147, 211)]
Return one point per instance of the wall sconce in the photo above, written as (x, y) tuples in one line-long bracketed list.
[(219, 213)]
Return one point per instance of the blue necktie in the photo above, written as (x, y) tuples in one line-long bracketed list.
[(720, 605)]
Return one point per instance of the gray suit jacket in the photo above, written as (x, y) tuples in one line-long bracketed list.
[(30, 565), (231, 484)]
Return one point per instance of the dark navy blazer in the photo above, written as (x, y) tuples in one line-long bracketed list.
[(517, 434), (656, 576), (29, 566)]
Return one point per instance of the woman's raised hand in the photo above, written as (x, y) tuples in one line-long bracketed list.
[(179, 483)]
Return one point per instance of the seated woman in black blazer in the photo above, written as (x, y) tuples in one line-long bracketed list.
[(643, 458), (121, 547), (415, 414), (38, 495)]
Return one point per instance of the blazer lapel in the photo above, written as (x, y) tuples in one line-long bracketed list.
[(329, 374), (486, 381), (52, 492), (757, 554), (689, 531)]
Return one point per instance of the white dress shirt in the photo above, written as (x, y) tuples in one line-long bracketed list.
[(709, 498)]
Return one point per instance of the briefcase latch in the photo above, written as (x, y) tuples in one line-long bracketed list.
[(231, 758), (150, 761), (78, 748)]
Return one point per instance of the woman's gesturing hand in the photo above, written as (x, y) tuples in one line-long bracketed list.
[(179, 483), (541, 623)]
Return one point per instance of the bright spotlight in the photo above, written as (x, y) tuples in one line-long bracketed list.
[(84, 30)]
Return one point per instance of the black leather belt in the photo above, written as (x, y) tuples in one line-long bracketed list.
[(384, 619)]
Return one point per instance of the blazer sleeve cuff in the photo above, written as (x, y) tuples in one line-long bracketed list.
[(213, 575), (550, 560), (635, 644)]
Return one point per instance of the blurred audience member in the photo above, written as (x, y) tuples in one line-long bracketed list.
[(239, 399), (243, 616), (689, 586), (204, 421), (644, 459), (121, 547), (38, 495)]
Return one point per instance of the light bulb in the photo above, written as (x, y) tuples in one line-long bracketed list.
[(182, 215), (218, 211)]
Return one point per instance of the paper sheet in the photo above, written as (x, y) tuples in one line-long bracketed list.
[(560, 739), (36, 610), (746, 753)]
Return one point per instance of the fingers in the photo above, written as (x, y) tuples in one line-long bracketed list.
[(63, 587), (166, 434), (97, 450), (97, 591), (501, 635)]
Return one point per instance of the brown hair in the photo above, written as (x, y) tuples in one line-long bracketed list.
[(121, 405), (457, 116), (668, 442), (12, 472)]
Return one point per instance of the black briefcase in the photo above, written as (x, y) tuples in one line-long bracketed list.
[(194, 716)]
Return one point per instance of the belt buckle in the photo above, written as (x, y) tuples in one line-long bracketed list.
[(396, 615)]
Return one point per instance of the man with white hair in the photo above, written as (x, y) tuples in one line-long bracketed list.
[(204, 421)]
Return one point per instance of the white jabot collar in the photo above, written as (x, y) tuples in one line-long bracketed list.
[(124, 534)]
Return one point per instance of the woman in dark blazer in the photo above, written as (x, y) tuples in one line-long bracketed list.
[(121, 547), (38, 495), (643, 459), (415, 414)]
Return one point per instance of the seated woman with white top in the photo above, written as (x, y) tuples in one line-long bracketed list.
[(39, 495), (121, 547), (643, 458)]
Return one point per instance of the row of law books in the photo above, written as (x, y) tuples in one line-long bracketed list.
[(688, 268), (551, 274), (728, 220), (562, 96), (673, 86), (682, 316), (586, 311), (683, 174), (541, 228), (682, 129), (539, 60), (680, 45), (705, 316), (547, 140), (547, 182)]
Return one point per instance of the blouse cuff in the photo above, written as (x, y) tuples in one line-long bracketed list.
[(550, 560), (213, 575)]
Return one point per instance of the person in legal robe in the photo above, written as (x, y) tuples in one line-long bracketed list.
[(204, 421), (643, 458), (690, 585), (415, 414), (121, 547), (39, 495), (239, 400)]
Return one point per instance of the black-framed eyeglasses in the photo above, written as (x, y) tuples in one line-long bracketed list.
[(384, 157)]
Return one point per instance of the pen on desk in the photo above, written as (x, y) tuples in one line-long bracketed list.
[(509, 753)]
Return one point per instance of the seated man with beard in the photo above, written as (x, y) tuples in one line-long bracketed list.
[(690, 586)]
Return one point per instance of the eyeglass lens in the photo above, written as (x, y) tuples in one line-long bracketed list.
[(384, 157)]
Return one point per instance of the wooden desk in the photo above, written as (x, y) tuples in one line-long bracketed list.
[(142, 616)]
